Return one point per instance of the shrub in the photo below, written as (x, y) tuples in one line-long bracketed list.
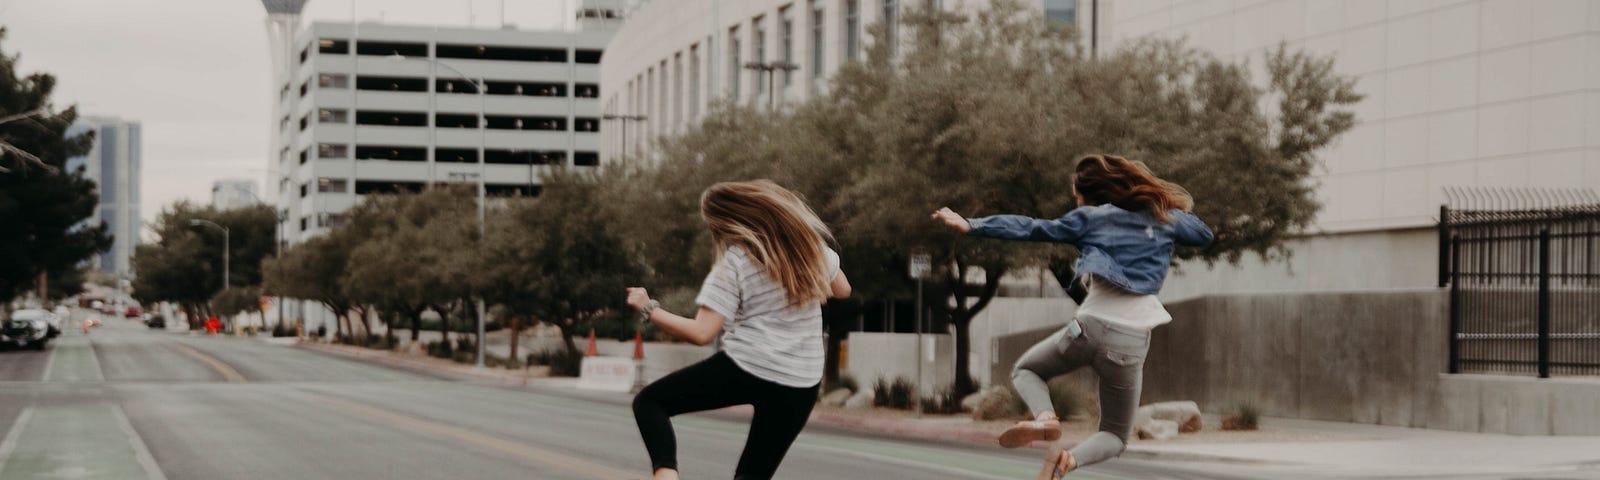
[(513, 364), (848, 382), (1001, 404), (465, 356), (896, 394), (943, 403), (562, 362), (1244, 417), (440, 349)]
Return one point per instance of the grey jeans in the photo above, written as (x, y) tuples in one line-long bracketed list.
[(1116, 353)]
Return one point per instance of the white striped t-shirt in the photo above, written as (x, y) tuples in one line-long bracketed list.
[(761, 332)]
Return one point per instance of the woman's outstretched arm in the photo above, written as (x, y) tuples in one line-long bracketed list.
[(1067, 229), (700, 330)]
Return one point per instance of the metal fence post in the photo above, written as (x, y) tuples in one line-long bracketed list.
[(1444, 244), (1544, 303), (1455, 304)]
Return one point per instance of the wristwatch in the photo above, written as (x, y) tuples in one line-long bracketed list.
[(644, 314)]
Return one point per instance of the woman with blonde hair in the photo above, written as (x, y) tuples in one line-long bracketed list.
[(1125, 227), (764, 295)]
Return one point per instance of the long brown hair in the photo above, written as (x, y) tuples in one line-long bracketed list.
[(776, 229), (1128, 184)]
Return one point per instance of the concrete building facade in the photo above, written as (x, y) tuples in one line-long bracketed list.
[(375, 108), (114, 163)]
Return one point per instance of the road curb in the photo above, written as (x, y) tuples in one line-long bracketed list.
[(385, 356)]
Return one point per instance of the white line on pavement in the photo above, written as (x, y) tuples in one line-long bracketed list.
[(140, 452), (10, 442)]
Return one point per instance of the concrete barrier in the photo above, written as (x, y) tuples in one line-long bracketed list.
[(614, 374)]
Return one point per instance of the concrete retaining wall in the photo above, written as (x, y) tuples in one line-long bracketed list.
[(1362, 357), (889, 356)]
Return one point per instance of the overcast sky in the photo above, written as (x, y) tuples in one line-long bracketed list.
[(196, 73)]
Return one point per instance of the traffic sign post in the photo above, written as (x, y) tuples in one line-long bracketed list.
[(921, 265)]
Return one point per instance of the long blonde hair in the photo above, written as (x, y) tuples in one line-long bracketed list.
[(776, 229), (1128, 184)]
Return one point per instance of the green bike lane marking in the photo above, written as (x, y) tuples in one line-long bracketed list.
[(86, 441), (72, 359)]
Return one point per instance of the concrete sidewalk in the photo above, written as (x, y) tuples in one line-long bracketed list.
[(1333, 448)]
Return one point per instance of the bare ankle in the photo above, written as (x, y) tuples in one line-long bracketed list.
[(666, 474)]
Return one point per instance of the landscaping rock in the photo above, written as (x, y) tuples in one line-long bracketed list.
[(971, 402), (861, 400), (836, 398), (1184, 413), (1158, 430)]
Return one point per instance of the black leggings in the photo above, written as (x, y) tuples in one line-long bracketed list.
[(717, 382)]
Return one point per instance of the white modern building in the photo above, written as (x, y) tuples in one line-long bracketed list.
[(376, 108), (671, 60), (114, 163), (1459, 93), (228, 194)]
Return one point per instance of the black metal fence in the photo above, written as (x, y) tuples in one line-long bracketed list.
[(1523, 267)]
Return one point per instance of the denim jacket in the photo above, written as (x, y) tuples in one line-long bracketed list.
[(1132, 250)]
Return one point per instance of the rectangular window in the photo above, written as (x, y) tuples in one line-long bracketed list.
[(587, 56), (455, 120), (852, 30), (381, 187), (586, 159), (694, 83), (386, 49), (384, 152), (305, 122), (304, 54), (524, 157), (332, 150), (817, 32), (304, 89), (455, 155), (303, 190), (455, 86), (735, 68), (333, 80), (787, 45), (392, 84), (333, 115), (392, 119), (891, 24), (331, 46), (758, 54), (303, 155), (661, 98), (492, 52), (302, 224), (494, 190), (586, 90), (533, 89), (332, 185), (677, 89), (586, 124), (526, 123), (1064, 12)]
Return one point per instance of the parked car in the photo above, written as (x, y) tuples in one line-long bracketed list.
[(27, 328), (155, 321), (133, 312)]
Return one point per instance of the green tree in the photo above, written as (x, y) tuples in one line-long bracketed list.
[(184, 264), (413, 254), (985, 113), (559, 258), (312, 270), (43, 206)]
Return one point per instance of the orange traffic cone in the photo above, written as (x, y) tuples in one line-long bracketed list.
[(592, 349), (638, 346)]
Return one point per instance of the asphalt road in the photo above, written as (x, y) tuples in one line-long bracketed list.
[(126, 403)]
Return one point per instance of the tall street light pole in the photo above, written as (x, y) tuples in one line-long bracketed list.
[(625, 119), (771, 68), (225, 247), (479, 85)]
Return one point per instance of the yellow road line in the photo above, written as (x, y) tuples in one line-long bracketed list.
[(557, 460), (227, 372)]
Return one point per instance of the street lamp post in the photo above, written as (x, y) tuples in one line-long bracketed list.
[(625, 119), (483, 124), (225, 247), (771, 68)]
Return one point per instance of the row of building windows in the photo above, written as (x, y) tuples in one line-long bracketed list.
[(329, 46), (420, 85), (453, 155), (365, 187), (453, 120)]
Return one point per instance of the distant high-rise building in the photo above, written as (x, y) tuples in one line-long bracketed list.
[(232, 193), (113, 163)]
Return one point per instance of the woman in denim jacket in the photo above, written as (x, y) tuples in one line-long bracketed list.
[(1125, 227)]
